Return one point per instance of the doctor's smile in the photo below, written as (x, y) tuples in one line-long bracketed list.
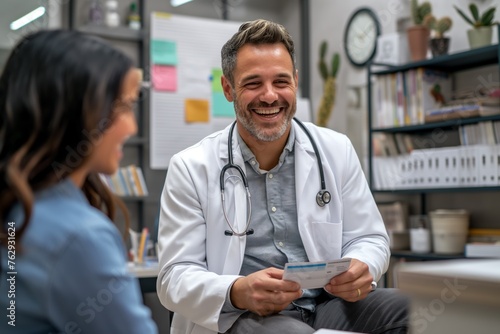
[(266, 112)]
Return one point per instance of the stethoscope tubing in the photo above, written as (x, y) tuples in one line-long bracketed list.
[(323, 197)]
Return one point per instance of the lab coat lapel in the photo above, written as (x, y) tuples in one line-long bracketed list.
[(305, 161), (307, 185)]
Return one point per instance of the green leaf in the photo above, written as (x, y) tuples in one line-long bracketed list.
[(323, 70), (335, 64), (487, 17), (464, 16), (474, 11), (322, 49)]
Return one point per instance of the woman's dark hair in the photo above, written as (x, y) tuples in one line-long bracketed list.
[(57, 94)]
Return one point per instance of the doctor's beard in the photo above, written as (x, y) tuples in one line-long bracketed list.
[(245, 119)]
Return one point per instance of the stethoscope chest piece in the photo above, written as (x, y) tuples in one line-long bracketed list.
[(323, 197)]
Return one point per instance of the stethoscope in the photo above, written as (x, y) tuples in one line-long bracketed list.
[(323, 197)]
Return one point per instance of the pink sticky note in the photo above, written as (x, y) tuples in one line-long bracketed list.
[(164, 78)]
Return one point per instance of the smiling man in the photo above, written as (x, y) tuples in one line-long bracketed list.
[(266, 191)]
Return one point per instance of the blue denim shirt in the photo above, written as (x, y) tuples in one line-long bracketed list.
[(71, 274)]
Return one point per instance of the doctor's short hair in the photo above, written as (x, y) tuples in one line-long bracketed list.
[(254, 32)]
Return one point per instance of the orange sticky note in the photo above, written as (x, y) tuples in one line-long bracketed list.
[(196, 110)]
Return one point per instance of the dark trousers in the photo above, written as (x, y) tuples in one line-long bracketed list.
[(383, 311)]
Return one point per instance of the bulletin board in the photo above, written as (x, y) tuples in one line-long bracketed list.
[(186, 99)]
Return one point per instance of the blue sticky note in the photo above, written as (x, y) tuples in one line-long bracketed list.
[(163, 52), (220, 106)]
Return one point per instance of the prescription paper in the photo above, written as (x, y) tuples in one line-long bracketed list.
[(313, 275)]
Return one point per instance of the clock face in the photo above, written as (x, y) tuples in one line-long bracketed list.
[(360, 39)]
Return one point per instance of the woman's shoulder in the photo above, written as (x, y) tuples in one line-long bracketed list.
[(62, 215), (66, 205)]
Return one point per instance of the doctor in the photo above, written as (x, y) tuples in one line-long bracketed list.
[(244, 201)]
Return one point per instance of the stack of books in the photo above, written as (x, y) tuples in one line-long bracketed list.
[(471, 104), (483, 249), (403, 98), (452, 112), (483, 243), (127, 181)]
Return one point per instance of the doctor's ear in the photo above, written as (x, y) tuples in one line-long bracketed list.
[(227, 88)]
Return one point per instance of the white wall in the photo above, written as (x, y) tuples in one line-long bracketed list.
[(328, 19)]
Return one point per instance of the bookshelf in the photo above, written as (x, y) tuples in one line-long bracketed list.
[(133, 43), (451, 64)]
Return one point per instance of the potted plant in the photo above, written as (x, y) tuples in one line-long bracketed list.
[(481, 32), (439, 44), (418, 34), (329, 85)]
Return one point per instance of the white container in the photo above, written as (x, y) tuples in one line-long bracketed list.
[(420, 234), (392, 48), (420, 240), (449, 230), (112, 16)]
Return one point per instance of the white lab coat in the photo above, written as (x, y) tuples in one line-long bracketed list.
[(198, 263)]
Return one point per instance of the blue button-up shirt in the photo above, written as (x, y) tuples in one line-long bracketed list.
[(276, 239)]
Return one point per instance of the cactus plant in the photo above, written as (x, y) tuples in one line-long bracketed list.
[(438, 26), (476, 20), (329, 87), (419, 12)]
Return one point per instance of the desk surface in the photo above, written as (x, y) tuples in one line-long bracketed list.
[(476, 281), (150, 268), (481, 270)]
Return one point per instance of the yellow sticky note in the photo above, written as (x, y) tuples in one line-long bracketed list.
[(162, 15), (196, 110)]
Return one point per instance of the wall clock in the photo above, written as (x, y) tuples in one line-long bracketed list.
[(360, 36)]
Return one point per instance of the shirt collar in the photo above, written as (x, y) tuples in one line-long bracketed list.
[(248, 154)]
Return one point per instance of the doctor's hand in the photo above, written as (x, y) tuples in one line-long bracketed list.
[(352, 285), (264, 292)]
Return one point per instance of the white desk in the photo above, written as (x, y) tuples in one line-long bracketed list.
[(147, 273), (452, 296), (149, 268)]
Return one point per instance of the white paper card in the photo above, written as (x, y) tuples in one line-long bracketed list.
[(313, 275)]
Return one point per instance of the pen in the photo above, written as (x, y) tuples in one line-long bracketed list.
[(142, 245)]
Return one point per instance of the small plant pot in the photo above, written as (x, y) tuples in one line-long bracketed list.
[(439, 46), (418, 42), (480, 37)]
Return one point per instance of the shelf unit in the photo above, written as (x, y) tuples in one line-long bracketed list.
[(452, 63), (127, 39)]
